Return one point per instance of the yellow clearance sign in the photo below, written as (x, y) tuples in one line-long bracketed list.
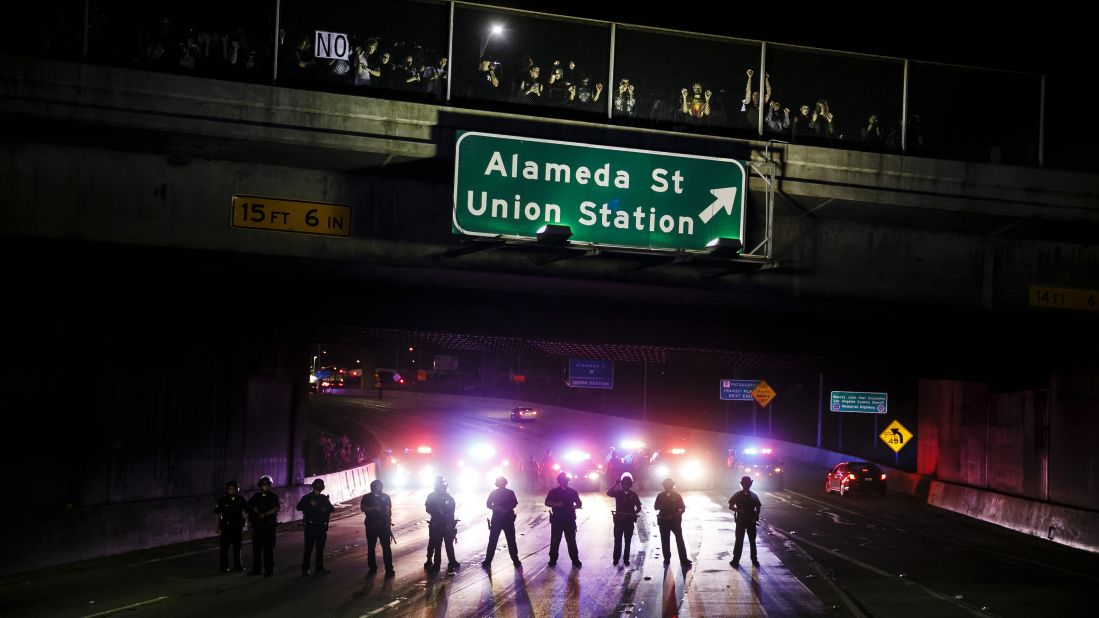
[(763, 394), (264, 213), (896, 436), (1064, 298)]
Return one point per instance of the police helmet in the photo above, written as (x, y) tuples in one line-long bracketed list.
[(440, 483), (265, 480), (626, 479), (746, 481)]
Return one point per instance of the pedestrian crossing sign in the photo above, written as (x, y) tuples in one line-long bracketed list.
[(896, 436)]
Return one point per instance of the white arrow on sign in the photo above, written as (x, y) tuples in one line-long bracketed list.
[(725, 199)]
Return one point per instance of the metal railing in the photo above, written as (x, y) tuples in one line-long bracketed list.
[(624, 74)]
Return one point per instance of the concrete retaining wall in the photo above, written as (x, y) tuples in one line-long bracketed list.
[(1061, 524), (348, 484), (105, 530)]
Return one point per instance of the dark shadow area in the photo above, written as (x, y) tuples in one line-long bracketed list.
[(973, 115)]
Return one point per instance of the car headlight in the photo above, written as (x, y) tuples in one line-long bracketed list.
[(691, 471), (482, 451), (662, 471), (577, 456)]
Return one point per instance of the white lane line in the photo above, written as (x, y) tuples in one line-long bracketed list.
[(873, 569), (962, 543), (127, 607), (844, 596)]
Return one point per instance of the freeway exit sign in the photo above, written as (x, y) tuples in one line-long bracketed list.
[(510, 187)]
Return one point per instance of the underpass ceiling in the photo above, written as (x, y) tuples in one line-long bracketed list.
[(617, 352)]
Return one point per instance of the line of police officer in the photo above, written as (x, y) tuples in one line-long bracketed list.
[(377, 507)]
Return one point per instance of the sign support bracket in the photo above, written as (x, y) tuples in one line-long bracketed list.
[(766, 171)]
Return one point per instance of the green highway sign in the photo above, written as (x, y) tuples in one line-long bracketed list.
[(511, 187), (855, 401)]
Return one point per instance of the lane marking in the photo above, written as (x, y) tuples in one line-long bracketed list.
[(127, 607), (957, 542), (873, 569), (847, 598)]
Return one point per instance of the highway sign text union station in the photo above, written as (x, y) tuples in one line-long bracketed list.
[(511, 187)]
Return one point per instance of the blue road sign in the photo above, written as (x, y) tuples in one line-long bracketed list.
[(736, 390), (588, 373)]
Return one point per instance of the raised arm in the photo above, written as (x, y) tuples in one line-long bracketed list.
[(766, 88), (748, 88)]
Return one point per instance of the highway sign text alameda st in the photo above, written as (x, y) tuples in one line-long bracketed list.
[(511, 187)]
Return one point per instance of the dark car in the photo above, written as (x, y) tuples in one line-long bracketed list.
[(524, 414), (410, 468), (762, 465), (856, 476), (585, 473)]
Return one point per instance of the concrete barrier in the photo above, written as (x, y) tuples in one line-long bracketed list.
[(346, 484), (1061, 524), (106, 530)]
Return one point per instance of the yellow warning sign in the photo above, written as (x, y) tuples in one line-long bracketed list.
[(896, 436), (763, 394)]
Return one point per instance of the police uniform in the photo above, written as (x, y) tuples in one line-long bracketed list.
[(627, 505), (440, 505), (316, 509), (745, 506), (263, 531), (563, 521), (670, 507), (377, 525), (230, 512), (502, 502)]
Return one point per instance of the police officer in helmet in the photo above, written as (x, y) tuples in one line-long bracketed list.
[(502, 503), (442, 528), (378, 509), (263, 510), (745, 506), (315, 509), (229, 519), (627, 505), (563, 502), (669, 506)]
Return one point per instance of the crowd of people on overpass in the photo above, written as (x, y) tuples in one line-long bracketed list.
[(211, 46), (410, 68), (375, 63)]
